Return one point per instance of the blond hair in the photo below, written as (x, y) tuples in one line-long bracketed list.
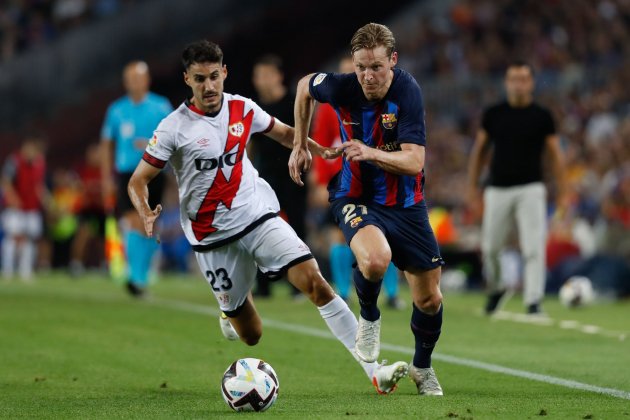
[(371, 36)]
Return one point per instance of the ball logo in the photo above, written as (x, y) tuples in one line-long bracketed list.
[(153, 141), (389, 120), (237, 129)]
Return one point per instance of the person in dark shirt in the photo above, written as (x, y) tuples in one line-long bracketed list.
[(270, 158), (518, 131), (378, 196)]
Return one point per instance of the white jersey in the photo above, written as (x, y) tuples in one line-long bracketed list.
[(221, 195)]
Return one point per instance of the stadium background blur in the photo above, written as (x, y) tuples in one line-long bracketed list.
[(61, 61)]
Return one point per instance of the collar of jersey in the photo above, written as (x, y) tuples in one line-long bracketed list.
[(196, 110)]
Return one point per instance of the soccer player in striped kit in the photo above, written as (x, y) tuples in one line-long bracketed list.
[(377, 197), (518, 132)]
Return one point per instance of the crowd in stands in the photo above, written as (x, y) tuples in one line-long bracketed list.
[(27, 23)]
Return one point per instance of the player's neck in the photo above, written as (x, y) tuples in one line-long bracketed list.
[(520, 101), (137, 97)]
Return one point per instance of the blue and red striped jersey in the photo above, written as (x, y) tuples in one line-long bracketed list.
[(397, 118)]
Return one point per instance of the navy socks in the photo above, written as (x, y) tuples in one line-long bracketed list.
[(367, 292), (426, 329)]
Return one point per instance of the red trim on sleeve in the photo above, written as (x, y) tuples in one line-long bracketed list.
[(153, 161), (270, 126)]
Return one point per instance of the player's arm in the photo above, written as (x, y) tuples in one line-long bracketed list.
[(6, 183), (139, 194), (300, 160), (475, 163), (408, 161), (554, 152)]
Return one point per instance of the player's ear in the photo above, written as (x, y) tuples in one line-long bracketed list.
[(225, 72), (186, 79), (394, 58)]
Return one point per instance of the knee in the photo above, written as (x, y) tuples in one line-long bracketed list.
[(429, 304), (374, 266), (251, 338)]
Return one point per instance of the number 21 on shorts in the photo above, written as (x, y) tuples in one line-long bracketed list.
[(350, 214)]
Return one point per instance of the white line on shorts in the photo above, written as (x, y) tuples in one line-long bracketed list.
[(489, 367)]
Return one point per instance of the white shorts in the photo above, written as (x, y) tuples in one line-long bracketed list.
[(271, 249), (19, 222)]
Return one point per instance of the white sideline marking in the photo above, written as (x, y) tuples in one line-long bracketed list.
[(489, 367), (545, 321)]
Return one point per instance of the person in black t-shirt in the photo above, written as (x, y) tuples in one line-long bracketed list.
[(270, 158), (518, 131)]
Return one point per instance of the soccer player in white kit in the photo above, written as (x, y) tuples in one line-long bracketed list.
[(229, 214)]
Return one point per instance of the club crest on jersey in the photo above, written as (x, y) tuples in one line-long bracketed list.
[(355, 222), (319, 78), (237, 129), (153, 140), (389, 120)]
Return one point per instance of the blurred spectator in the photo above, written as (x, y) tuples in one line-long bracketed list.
[(269, 157), (87, 245), (24, 190), (61, 215)]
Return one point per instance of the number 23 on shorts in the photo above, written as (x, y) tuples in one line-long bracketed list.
[(351, 217), (219, 279)]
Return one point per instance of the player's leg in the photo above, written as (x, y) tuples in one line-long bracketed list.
[(530, 217), (497, 220), (139, 248), (279, 250), (33, 231), (426, 325), (230, 272), (10, 225)]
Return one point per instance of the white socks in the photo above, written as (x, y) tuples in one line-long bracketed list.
[(8, 256), (343, 325)]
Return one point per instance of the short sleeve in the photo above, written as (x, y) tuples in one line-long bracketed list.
[(323, 87), (549, 126), (262, 122), (411, 126), (109, 125), (160, 148)]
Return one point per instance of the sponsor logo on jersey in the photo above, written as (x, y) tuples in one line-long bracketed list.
[(237, 129), (319, 78), (389, 120), (229, 159), (393, 146), (153, 140), (355, 222)]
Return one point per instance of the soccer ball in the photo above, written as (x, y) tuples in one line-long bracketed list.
[(577, 291), (250, 385)]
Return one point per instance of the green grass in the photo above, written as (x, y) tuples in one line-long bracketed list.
[(83, 349)]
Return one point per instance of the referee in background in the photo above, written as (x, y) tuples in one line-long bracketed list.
[(518, 132)]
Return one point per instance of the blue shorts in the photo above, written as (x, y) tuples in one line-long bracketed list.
[(407, 230)]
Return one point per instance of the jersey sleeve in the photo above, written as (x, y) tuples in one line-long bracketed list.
[(549, 126), (411, 126), (262, 122), (324, 87), (109, 125), (161, 147)]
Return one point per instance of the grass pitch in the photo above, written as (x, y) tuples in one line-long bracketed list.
[(84, 349)]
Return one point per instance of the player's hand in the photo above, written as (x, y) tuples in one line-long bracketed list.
[(330, 152), (299, 162), (474, 201), (356, 150), (149, 219)]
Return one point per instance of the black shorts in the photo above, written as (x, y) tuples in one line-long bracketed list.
[(123, 202), (94, 219), (407, 230)]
